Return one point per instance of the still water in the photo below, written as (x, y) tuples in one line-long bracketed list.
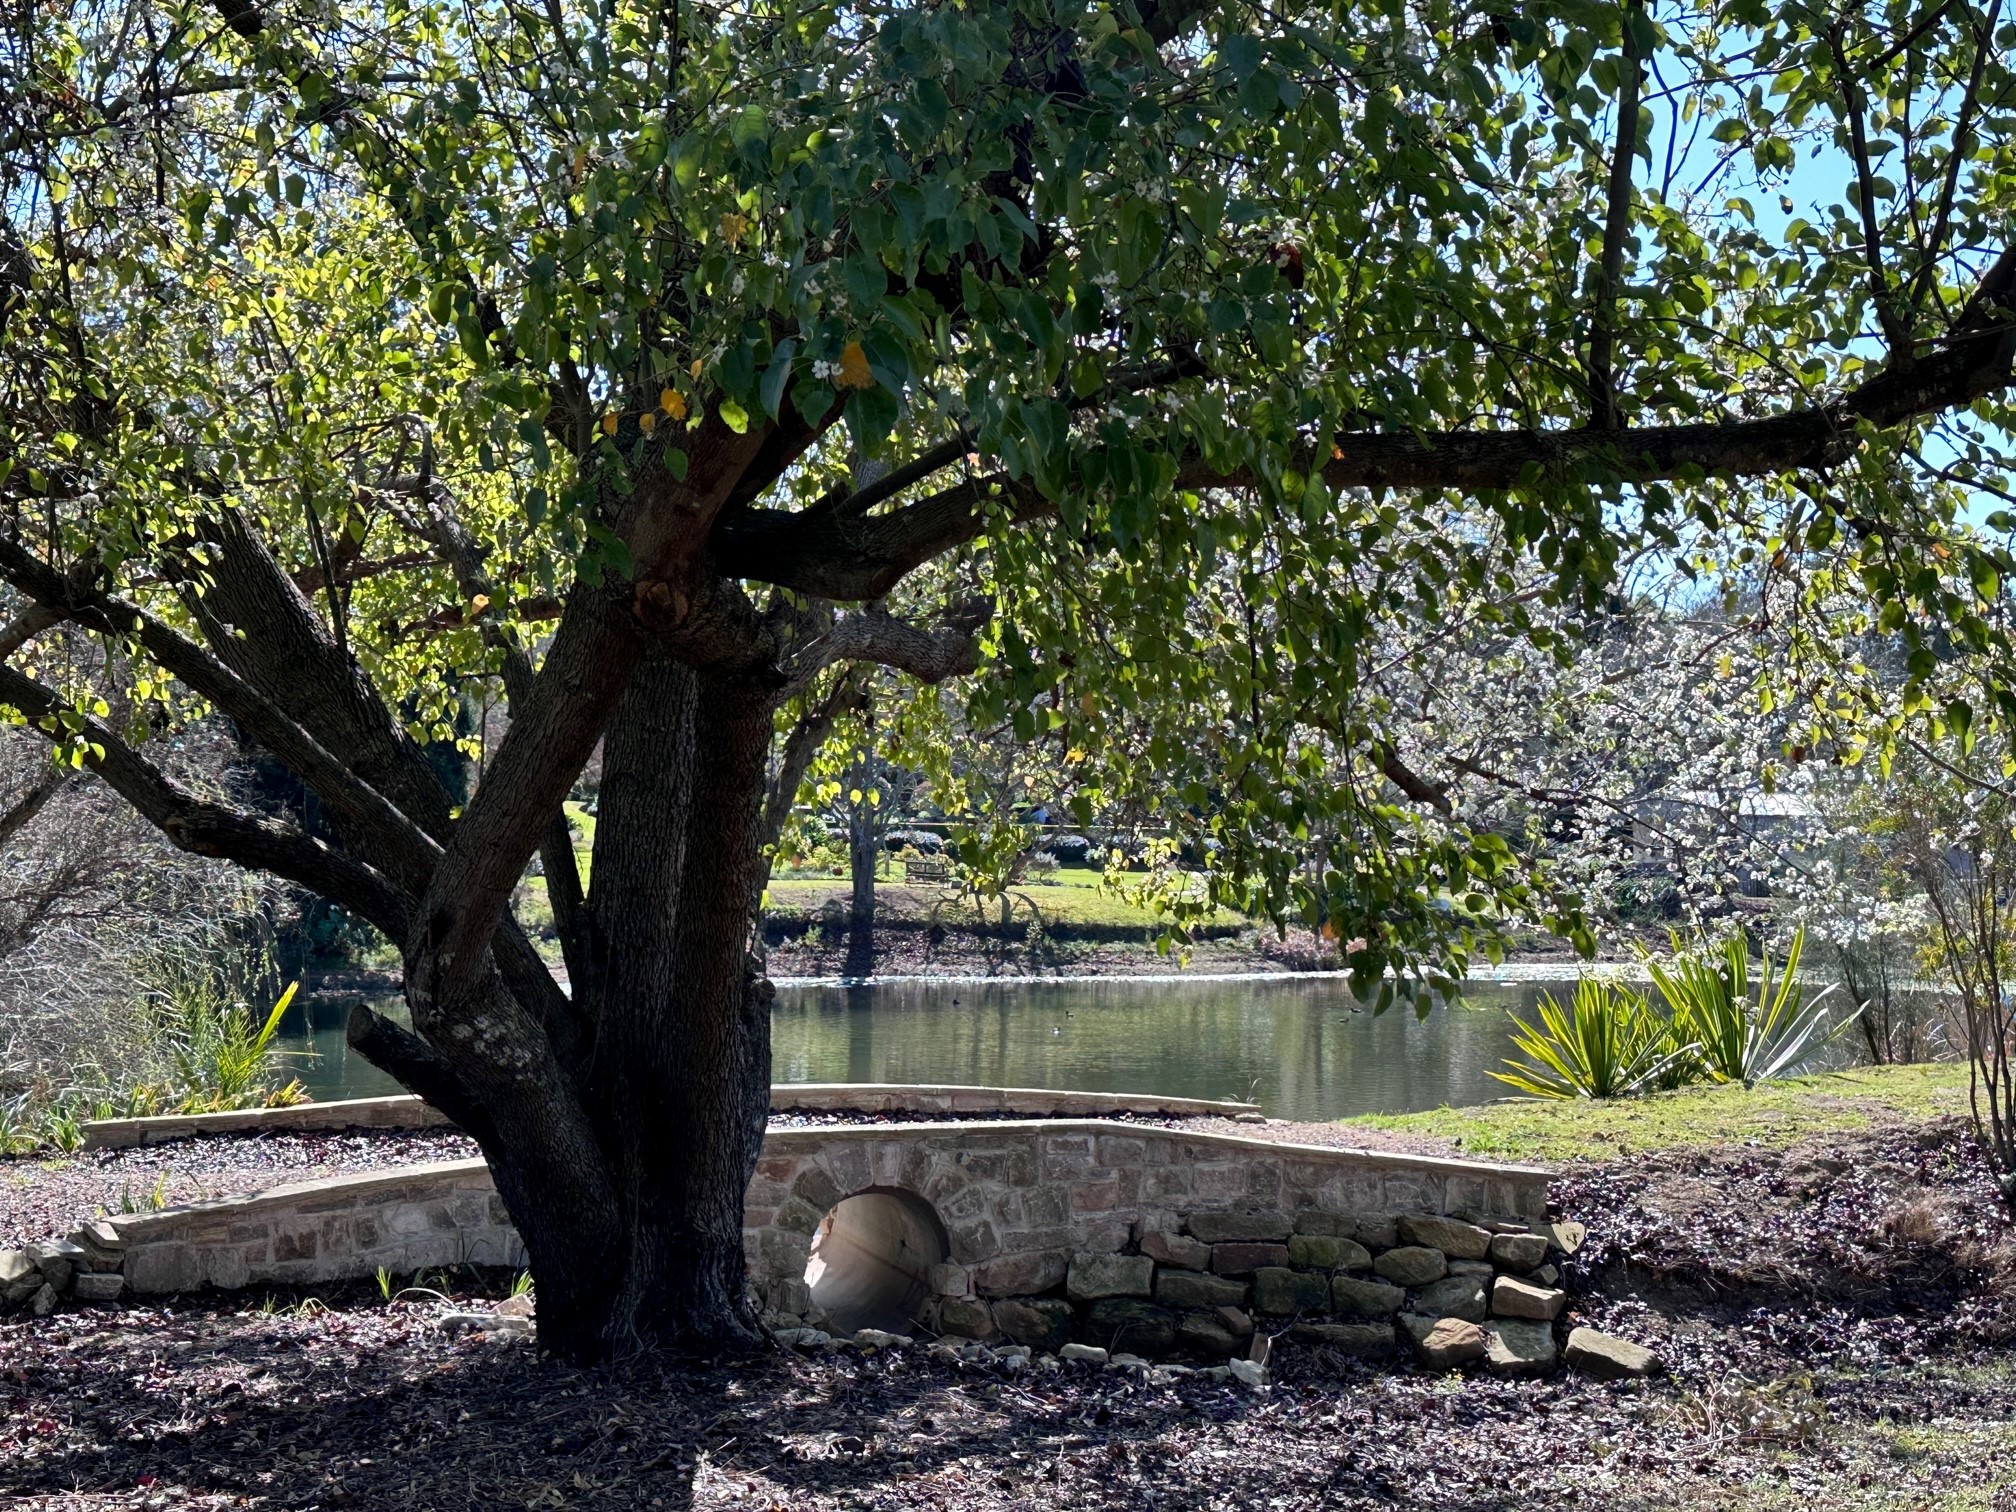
[(1302, 1048)]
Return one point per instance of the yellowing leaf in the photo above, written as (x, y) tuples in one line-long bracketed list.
[(732, 227), (608, 425), (853, 372), (695, 370), (647, 422), (673, 403)]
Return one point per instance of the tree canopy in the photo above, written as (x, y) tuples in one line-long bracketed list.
[(1178, 364)]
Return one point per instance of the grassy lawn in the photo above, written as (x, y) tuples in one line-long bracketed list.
[(1778, 1113), (1057, 903), (1077, 902)]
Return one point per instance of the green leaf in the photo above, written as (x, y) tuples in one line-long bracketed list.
[(776, 378)]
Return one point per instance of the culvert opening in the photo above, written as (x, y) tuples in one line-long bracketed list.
[(871, 1260)]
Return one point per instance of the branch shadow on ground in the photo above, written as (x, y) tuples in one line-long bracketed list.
[(341, 1410)]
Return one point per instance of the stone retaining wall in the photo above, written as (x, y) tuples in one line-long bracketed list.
[(1120, 1235), (1150, 1240), (836, 1097), (416, 1218)]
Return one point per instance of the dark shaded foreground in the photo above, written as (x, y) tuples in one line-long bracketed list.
[(1837, 1321)]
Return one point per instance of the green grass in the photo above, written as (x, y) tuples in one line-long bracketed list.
[(1775, 1113), (1058, 904)]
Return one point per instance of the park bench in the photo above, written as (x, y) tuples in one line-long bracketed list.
[(927, 869)]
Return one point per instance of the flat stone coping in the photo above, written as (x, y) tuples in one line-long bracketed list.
[(923, 1097), (303, 1196), (408, 1112), (799, 1141), (340, 1191)]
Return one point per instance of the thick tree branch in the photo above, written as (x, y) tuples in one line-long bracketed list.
[(1434, 794), (364, 815), (418, 1066), (1603, 411), (286, 651), (209, 829), (553, 731), (829, 555), (556, 845), (874, 635), (24, 627)]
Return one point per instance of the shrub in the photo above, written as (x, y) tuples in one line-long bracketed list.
[(1735, 1035), (1069, 850), (925, 842), (218, 1047), (1607, 1043)]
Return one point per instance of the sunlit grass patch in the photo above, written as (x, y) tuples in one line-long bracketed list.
[(1772, 1113)]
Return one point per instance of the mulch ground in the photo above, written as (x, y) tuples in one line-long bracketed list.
[(1836, 1318)]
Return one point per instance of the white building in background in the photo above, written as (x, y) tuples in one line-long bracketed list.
[(1773, 822)]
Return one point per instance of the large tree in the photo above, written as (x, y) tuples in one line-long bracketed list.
[(352, 351)]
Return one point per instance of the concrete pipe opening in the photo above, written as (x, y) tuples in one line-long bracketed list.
[(871, 1260)]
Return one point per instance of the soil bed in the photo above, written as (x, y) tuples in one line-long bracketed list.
[(1836, 1317)]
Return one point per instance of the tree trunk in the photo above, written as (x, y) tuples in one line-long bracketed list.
[(675, 1086), (864, 854)]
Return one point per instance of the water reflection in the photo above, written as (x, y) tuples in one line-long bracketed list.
[(1301, 1048)]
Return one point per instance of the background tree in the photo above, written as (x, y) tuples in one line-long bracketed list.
[(347, 351)]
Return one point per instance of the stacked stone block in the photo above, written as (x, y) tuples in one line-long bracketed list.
[(1445, 1289), (440, 1214), (1157, 1242)]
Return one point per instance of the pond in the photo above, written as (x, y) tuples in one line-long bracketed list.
[(1301, 1047)]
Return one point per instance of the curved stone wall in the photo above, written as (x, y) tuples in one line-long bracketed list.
[(1116, 1234), (1055, 1228)]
